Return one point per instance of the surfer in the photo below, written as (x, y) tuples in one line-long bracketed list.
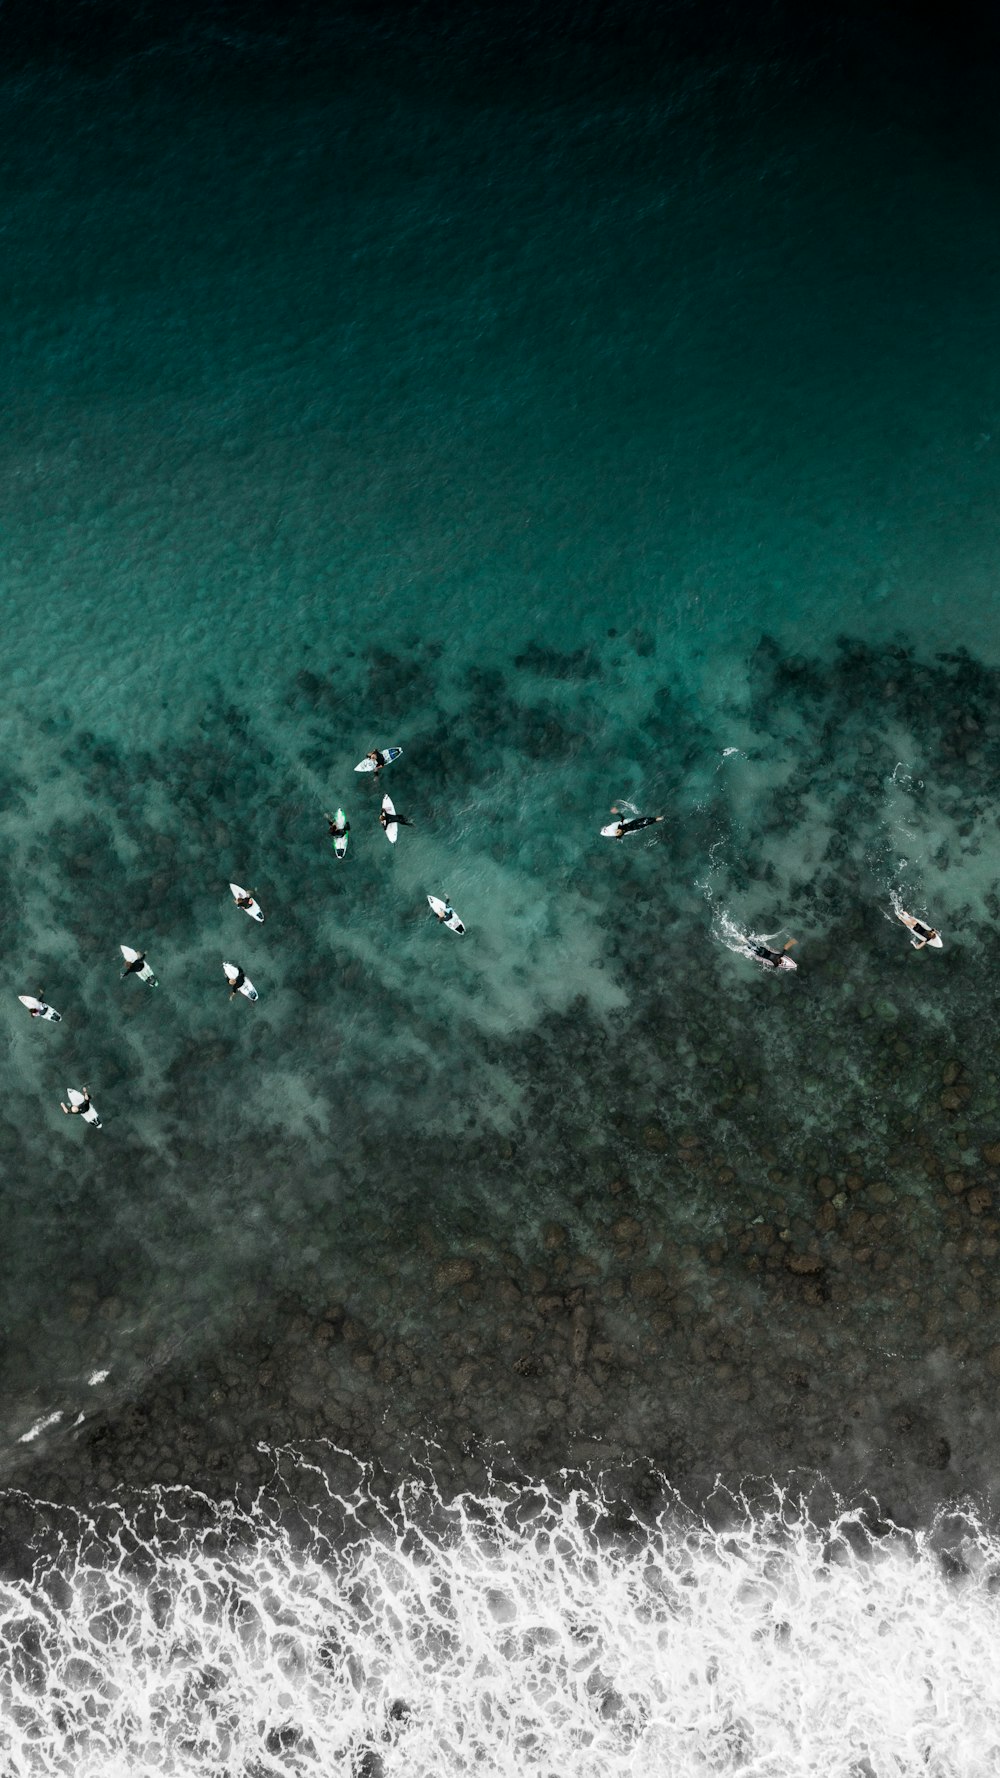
[(236, 979), (445, 913), (245, 900), (922, 934), (39, 1009), (389, 818), (81, 1106), (379, 758), (629, 824), (135, 964), (338, 824), (770, 958)]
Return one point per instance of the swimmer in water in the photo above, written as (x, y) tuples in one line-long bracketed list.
[(629, 824), (922, 934)]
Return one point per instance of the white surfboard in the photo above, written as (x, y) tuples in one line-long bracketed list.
[(242, 897), (38, 1008), (611, 831), (449, 919), (936, 943), (386, 755), (145, 974), (246, 987), (76, 1098), (390, 827)]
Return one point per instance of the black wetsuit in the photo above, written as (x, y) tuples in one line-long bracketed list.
[(766, 955), (238, 983), (637, 823), (136, 964), (922, 931)]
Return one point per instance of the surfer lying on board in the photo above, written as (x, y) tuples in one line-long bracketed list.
[(236, 980), (379, 758), (771, 959), (337, 827), (392, 819), (629, 824), (924, 935), (244, 901)]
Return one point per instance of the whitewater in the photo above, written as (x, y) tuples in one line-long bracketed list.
[(522, 1629)]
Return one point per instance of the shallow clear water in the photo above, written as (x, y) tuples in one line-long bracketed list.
[(593, 425)]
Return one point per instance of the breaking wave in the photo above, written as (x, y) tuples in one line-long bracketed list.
[(519, 1631)]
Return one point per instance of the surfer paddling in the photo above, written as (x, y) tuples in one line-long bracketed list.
[(771, 959), (921, 934), (616, 830)]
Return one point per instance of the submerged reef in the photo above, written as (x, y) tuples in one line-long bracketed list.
[(589, 1187)]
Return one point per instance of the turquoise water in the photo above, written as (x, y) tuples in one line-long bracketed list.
[(590, 437)]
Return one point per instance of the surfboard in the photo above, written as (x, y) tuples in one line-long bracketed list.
[(246, 987), (39, 1008), (388, 755), (936, 943), (145, 974), (340, 839), (391, 828), (440, 907), (254, 910), (89, 1116)]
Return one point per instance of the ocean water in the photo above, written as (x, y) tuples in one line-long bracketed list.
[(597, 416)]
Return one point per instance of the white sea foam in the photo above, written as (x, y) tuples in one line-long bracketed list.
[(512, 1634)]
